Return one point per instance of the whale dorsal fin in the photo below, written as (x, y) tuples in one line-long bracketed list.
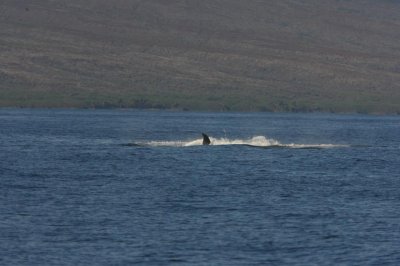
[(206, 139)]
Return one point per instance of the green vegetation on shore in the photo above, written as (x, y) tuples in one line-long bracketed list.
[(331, 56)]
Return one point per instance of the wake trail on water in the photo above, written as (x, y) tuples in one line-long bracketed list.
[(257, 141)]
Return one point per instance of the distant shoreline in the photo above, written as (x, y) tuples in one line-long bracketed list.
[(194, 110), (222, 56)]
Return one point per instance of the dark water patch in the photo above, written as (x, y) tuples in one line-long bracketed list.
[(132, 145)]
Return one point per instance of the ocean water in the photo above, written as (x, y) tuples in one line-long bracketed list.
[(123, 187)]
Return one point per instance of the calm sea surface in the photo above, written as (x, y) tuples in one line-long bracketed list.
[(94, 187)]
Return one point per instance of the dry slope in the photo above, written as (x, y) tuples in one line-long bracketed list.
[(286, 55)]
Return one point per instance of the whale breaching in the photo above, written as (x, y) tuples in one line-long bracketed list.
[(206, 139)]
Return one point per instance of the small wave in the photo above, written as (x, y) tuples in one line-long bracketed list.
[(257, 141), (314, 146)]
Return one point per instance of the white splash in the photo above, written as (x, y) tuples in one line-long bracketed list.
[(257, 141)]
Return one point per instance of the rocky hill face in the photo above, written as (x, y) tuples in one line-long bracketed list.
[(287, 55)]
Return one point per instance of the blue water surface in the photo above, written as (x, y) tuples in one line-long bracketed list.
[(89, 187)]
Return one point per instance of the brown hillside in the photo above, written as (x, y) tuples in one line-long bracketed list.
[(209, 55)]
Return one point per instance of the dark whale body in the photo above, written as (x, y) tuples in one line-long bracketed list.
[(206, 139)]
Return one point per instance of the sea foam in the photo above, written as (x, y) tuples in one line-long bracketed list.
[(257, 141)]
